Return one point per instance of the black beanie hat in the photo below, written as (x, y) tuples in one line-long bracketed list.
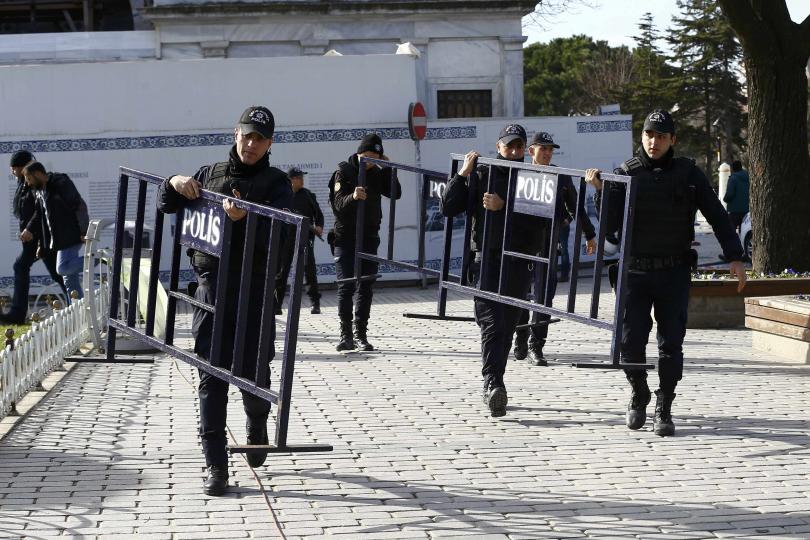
[(21, 158), (371, 142)]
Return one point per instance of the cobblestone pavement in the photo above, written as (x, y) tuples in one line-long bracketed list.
[(113, 450)]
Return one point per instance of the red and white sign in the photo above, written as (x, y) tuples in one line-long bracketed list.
[(417, 121)]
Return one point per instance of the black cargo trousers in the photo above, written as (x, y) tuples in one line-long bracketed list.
[(496, 320), (213, 392)]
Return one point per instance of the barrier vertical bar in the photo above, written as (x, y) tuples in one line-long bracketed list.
[(572, 288), (244, 299), (598, 263), (118, 256), (507, 226), (221, 294), (392, 212), (421, 204), (359, 224), (441, 306), (485, 240), (135, 265), (154, 273), (621, 281), (291, 338), (267, 332), (551, 267), (174, 276)]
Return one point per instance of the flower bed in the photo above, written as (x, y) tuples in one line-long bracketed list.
[(715, 303)]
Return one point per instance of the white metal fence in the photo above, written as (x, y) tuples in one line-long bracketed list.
[(43, 348)]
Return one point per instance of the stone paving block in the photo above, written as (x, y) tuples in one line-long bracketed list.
[(414, 447)]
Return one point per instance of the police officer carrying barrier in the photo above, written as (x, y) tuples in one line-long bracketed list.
[(304, 203), (343, 196), (496, 320), (246, 175), (669, 191), (529, 342)]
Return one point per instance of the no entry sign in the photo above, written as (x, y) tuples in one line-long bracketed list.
[(417, 121)]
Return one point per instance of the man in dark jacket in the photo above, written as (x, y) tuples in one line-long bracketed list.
[(529, 343), (496, 320), (24, 209), (62, 214), (246, 175), (669, 191), (343, 196), (737, 197), (304, 203)]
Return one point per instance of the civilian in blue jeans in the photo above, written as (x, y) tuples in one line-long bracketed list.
[(63, 215)]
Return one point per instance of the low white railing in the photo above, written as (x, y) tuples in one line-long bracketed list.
[(32, 356)]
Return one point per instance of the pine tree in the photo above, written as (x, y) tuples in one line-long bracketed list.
[(710, 96), (652, 88)]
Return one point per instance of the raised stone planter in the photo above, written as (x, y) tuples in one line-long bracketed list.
[(781, 326), (715, 303)]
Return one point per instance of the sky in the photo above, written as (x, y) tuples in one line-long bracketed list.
[(616, 21)]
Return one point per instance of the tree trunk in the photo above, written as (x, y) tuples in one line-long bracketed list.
[(780, 167), (776, 50)]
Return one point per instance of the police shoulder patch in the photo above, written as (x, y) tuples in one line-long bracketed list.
[(631, 165)]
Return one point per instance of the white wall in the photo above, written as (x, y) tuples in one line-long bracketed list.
[(181, 96)]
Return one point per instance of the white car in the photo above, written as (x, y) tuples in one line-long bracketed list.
[(745, 235)]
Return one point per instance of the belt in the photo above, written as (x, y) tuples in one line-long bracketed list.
[(663, 262)]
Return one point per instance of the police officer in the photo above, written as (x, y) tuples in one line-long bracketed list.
[(247, 175), (529, 343), (30, 233), (670, 190), (496, 320), (343, 196), (304, 203)]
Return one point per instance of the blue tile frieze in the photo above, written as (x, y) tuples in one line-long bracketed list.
[(604, 126), (226, 139)]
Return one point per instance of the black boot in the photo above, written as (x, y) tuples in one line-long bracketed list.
[(316, 306), (535, 357), (346, 341), (662, 422), (495, 396), (360, 334), (639, 399), (256, 434), (521, 347), (217, 482)]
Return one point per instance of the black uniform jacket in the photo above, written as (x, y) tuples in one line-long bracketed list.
[(305, 203), (702, 196), (273, 189), (379, 182)]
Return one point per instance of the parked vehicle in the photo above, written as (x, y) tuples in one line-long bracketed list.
[(745, 235)]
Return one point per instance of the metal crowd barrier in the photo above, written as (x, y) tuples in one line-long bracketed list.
[(535, 190), (425, 176), (203, 225)]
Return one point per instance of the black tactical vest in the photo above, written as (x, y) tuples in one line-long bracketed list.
[(255, 189), (664, 210)]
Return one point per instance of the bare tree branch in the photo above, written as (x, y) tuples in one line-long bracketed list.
[(547, 11)]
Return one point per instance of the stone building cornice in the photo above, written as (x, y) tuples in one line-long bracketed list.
[(337, 8)]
